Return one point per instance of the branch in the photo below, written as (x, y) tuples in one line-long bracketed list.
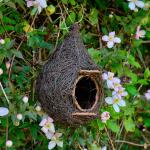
[(145, 145)]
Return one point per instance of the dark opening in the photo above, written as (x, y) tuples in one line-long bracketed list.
[(85, 92)]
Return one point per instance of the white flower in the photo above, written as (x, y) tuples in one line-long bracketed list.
[(1, 71), (110, 16), (3, 111), (116, 83), (19, 116), (109, 78), (7, 64), (120, 91), (105, 116), (2, 41), (55, 141), (104, 148), (147, 95), (135, 3), (139, 33), (116, 101), (47, 125), (38, 108), (49, 135), (25, 99), (111, 39), (9, 143), (39, 4)]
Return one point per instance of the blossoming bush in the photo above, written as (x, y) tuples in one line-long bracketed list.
[(117, 36)]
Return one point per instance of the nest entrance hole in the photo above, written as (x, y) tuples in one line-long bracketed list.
[(86, 93)]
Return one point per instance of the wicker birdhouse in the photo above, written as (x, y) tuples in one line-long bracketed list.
[(69, 86)]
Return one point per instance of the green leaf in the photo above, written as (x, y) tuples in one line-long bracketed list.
[(93, 17), (140, 56), (51, 9), (17, 53), (133, 76), (64, 1), (100, 124), (143, 82), (74, 137), (128, 111), (93, 147), (8, 20), (34, 130), (133, 62), (72, 2), (81, 141), (147, 122), (147, 73), (129, 124), (11, 4), (31, 115), (137, 43), (112, 125), (95, 54), (71, 18), (33, 12), (101, 4), (104, 30), (2, 56), (132, 90)]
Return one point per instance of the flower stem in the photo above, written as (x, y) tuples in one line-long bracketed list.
[(4, 92), (113, 148)]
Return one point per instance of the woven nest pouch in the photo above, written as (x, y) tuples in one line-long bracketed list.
[(69, 87)]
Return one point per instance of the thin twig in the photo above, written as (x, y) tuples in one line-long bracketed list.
[(67, 13), (100, 41), (82, 14), (80, 147), (113, 148), (4, 27), (147, 141), (66, 28), (145, 42), (6, 131), (134, 144), (119, 133), (58, 34), (4, 92)]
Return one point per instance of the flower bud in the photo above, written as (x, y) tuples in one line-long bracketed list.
[(19, 116), (1, 71), (38, 108), (7, 64), (110, 16), (2, 41), (9, 143), (25, 99), (16, 123)]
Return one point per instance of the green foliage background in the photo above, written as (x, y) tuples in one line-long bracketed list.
[(30, 38)]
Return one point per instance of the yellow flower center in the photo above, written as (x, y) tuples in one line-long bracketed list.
[(116, 100), (134, 1), (116, 84), (120, 91), (111, 38), (110, 77), (48, 125)]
